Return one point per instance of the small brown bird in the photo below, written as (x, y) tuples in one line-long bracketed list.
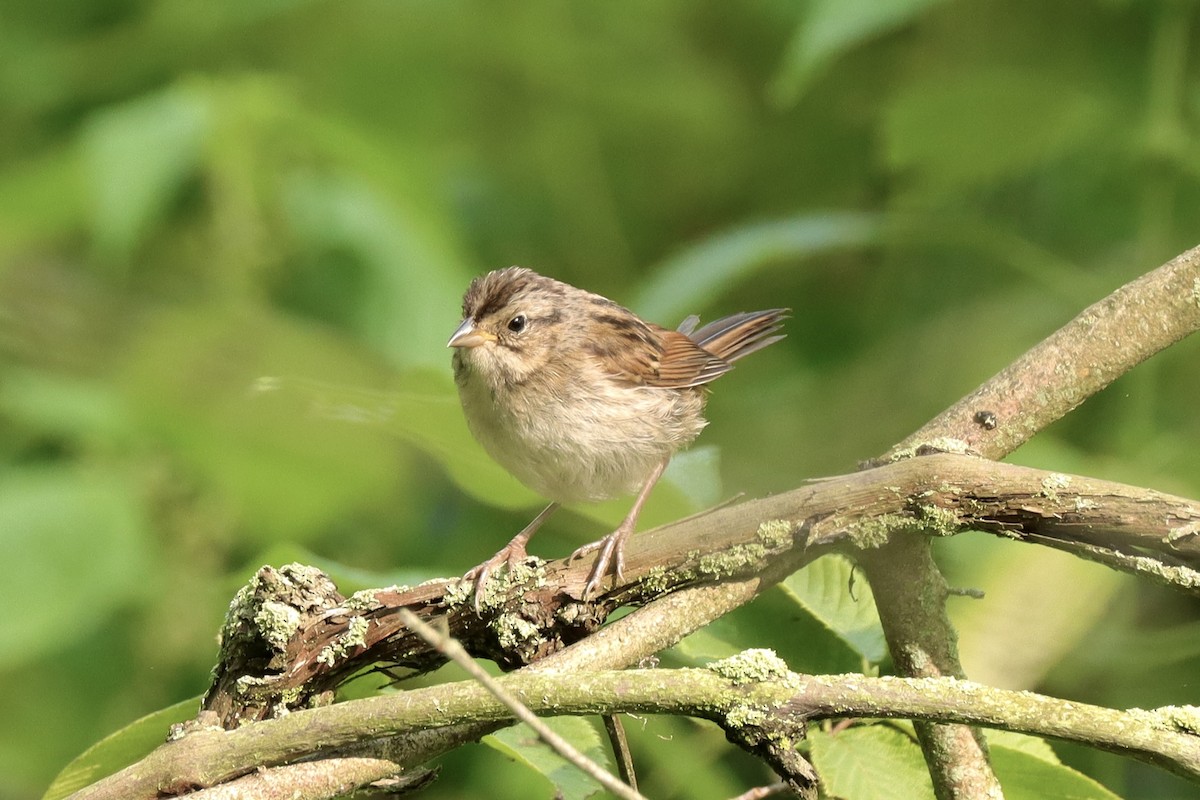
[(580, 399)]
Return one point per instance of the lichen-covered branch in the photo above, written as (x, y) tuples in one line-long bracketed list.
[(922, 643), (290, 638), (752, 695)]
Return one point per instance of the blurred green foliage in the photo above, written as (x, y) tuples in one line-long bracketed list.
[(234, 235)]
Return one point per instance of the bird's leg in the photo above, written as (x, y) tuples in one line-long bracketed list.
[(511, 554), (612, 547)]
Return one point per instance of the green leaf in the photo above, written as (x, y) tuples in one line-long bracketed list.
[(831, 28), (691, 279), (1025, 773), (713, 642), (81, 544), (885, 763), (873, 762), (522, 745), (120, 749), (139, 155), (774, 620), (1034, 746), (831, 591)]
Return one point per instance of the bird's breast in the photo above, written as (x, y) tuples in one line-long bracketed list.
[(578, 438)]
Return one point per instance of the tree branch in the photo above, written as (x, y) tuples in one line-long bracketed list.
[(1102, 343), (923, 644), (310, 780), (291, 638), (864, 509), (752, 694)]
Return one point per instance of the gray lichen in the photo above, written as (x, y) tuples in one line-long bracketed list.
[(752, 666), (276, 622), (1053, 483), (354, 637)]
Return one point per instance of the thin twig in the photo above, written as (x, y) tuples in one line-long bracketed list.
[(620, 747), (454, 651), (763, 792), (309, 780)]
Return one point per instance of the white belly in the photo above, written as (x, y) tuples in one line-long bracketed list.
[(580, 446)]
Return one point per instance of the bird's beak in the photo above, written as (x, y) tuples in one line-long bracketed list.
[(466, 335)]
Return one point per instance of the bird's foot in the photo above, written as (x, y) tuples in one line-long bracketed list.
[(510, 555), (612, 554)]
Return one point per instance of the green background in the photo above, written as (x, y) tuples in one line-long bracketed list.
[(234, 236)]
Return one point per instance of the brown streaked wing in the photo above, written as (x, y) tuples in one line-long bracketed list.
[(624, 346), (684, 363)]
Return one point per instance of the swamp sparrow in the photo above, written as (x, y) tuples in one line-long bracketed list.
[(580, 399)]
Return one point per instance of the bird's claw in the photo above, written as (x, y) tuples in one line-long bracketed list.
[(612, 553), (510, 555)]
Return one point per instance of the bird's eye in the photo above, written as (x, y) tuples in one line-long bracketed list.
[(517, 323)]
